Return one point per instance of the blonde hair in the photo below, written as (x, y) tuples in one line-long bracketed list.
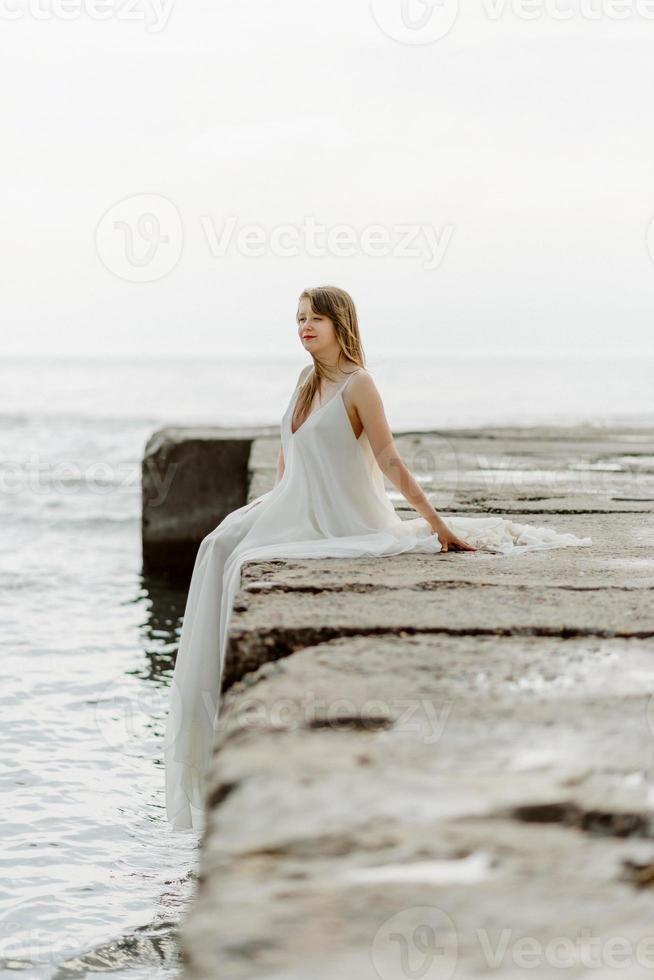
[(339, 307)]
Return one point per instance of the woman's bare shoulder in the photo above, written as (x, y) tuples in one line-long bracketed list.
[(304, 374), (362, 390), (363, 381)]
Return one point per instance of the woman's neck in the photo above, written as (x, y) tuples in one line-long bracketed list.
[(333, 370)]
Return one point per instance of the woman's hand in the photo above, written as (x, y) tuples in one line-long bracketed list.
[(449, 540)]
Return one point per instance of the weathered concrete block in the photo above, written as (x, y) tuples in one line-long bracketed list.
[(363, 785), (191, 479), (284, 606)]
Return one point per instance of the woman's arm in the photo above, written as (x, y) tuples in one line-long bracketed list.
[(368, 404)]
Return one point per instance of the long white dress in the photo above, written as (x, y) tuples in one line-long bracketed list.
[(331, 502)]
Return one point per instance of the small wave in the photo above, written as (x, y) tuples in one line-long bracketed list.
[(55, 522), (154, 946)]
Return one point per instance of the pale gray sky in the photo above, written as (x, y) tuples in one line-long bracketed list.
[(512, 159)]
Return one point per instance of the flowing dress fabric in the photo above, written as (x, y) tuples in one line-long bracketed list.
[(330, 503)]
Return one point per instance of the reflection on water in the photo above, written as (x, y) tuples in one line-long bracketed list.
[(93, 879), (98, 881)]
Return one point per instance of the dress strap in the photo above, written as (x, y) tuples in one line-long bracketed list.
[(351, 376), (302, 383)]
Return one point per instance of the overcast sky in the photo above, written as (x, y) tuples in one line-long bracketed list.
[(173, 175)]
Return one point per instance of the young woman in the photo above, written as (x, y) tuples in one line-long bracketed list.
[(328, 501)]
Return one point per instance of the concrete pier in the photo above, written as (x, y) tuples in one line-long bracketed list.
[(444, 763), (191, 479)]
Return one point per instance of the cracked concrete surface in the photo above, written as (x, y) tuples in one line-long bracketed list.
[(441, 766)]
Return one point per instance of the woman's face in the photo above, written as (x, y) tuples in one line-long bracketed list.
[(315, 330)]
